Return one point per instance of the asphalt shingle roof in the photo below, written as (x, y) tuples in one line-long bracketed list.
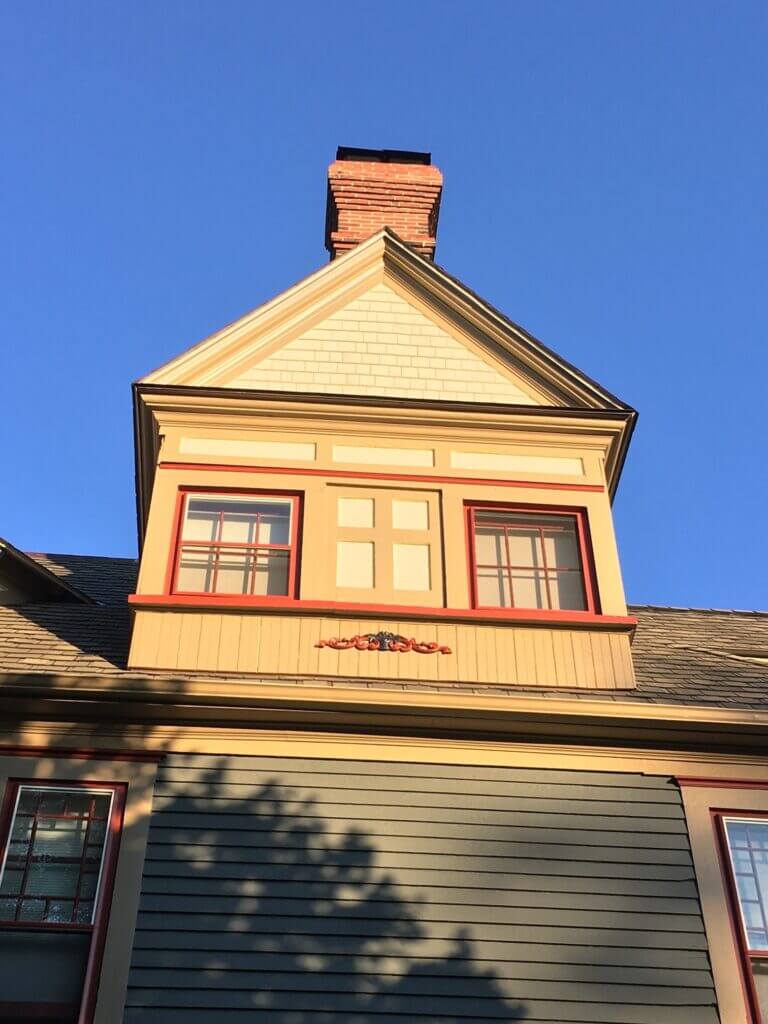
[(682, 655)]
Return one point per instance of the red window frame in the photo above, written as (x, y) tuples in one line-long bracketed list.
[(579, 515), (745, 955), (97, 928), (292, 547)]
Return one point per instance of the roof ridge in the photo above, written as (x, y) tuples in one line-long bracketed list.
[(64, 554), (699, 611)]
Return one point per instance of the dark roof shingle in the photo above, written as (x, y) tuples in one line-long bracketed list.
[(682, 655)]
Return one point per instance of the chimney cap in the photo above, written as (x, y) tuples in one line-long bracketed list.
[(383, 156)]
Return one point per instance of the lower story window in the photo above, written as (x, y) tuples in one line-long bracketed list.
[(746, 842), (237, 544), (57, 868), (528, 559)]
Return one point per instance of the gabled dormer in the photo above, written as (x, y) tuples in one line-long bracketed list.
[(377, 474)]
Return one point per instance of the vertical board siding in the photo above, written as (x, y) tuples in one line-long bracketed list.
[(274, 644), (301, 891)]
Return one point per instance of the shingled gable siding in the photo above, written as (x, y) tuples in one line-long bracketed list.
[(289, 891)]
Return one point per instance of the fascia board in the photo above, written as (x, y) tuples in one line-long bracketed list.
[(145, 699), (512, 338), (375, 407), (39, 577), (289, 303)]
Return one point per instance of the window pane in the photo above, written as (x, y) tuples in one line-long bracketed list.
[(567, 591), (233, 571), (196, 570), (201, 521), (539, 554), (11, 883), (43, 967), (524, 548), (747, 887), (493, 588), (61, 857), (238, 526), (561, 545), (237, 520), (271, 574), (489, 546), (529, 590), (274, 523), (748, 844)]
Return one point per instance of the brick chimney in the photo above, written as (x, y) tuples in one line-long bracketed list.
[(369, 189)]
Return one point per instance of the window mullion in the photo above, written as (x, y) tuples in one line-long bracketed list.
[(756, 877), (30, 851), (542, 541), (509, 567), (81, 869)]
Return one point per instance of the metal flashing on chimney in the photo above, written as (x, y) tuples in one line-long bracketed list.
[(383, 156)]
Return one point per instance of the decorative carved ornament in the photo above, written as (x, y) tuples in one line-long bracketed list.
[(383, 642)]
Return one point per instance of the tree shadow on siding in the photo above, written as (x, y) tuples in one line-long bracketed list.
[(260, 902)]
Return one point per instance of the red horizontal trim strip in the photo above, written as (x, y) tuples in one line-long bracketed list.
[(82, 753), (714, 783), (365, 475), (277, 604)]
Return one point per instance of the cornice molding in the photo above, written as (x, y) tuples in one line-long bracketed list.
[(257, 704)]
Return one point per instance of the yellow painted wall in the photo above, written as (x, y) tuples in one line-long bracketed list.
[(254, 643), (443, 464)]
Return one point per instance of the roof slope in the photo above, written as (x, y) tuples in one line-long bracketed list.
[(33, 579), (684, 656), (236, 356)]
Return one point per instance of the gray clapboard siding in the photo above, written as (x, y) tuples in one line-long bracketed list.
[(295, 891)]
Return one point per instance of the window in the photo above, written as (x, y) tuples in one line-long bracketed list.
[(55, 883), (237, 544), (528, 559), (745, 839)]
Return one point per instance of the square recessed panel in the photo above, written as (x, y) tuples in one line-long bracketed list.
[(410, 567), (410, 515), (355, 512), (354, 564)]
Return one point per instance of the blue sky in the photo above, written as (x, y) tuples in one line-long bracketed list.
[(163, 171)]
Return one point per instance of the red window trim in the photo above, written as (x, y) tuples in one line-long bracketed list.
[(354, 474), (588, 576), (293, 547), (526, 616), (98, 928), (734, 909)]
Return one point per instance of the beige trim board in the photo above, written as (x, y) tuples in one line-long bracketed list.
[(699, 802), (256, 704), (207, 739)]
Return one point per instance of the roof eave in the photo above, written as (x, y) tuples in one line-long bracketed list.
[(40, 577), (174, 700)]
